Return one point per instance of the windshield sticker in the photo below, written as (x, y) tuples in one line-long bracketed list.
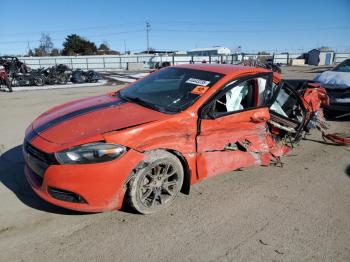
[(196, 81), (199, 90)]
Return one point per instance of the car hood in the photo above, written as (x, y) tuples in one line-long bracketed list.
[(334, 80), (85, 118)]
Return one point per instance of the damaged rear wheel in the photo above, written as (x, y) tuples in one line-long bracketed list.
[(156, 184)]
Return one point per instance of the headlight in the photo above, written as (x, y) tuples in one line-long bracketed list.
[(90, 153)]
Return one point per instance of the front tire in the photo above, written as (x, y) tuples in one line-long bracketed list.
[(156, 182), (39, 81), (62, 79)]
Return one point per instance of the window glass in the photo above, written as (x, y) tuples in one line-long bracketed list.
[(171, 89), (239, 97), (343, 67)]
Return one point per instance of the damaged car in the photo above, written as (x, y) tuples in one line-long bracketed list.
[(156, 137), (337, 84)]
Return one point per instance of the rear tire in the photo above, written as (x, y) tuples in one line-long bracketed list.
[(62, 79), (156, 182)]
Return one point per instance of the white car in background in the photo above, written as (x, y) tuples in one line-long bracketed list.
[(337, 84)]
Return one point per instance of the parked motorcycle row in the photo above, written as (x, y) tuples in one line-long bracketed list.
[(15, 73), (268, 64)]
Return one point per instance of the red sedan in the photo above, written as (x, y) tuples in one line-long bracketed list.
[(145, 143)]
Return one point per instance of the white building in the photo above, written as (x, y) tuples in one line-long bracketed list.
[(215, 50)]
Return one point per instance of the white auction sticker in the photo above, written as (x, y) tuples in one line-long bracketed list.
[(199, 82)]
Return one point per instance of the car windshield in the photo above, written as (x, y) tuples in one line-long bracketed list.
[(343, 67), (170, 90)]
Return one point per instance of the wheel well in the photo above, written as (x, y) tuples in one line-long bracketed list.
[(185, 189), (187, 172)]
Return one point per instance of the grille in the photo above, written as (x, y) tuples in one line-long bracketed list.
[(42, 156), (37, 160)]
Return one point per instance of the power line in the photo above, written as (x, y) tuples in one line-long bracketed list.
[(148, 26), (62, 39), (169, 22), (252, 31), (72, 29)]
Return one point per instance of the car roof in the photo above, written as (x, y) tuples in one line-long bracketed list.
[(223, 68)]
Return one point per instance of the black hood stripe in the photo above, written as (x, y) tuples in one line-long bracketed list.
[(71, 115)]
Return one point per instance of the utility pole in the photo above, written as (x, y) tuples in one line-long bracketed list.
[(28, 47), (148, 27), (124, 47)]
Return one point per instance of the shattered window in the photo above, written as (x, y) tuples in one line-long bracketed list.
[(281, 100), (287, 105)]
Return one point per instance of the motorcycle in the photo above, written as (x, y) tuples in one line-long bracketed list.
[(27, 79), (269, 64), (58, 74), (19, 74), (80, 76), (272, 66), (4, 78)]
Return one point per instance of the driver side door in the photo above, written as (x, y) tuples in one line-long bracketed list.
[(232, 127)]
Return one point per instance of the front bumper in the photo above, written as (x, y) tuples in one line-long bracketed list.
[(98, 187)]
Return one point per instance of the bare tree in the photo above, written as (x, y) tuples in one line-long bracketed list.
[(46, 44)]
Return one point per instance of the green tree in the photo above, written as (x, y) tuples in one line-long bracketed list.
[(104, 47), (77, 45)]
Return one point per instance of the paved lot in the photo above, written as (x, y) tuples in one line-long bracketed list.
[(300, 212)]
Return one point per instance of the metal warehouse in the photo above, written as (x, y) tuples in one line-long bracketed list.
[(216, 50), (320, 56)]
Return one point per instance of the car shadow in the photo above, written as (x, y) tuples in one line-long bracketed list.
[(339, 117), (321, 142), (12, 176), (347, 171), (316, 71)]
